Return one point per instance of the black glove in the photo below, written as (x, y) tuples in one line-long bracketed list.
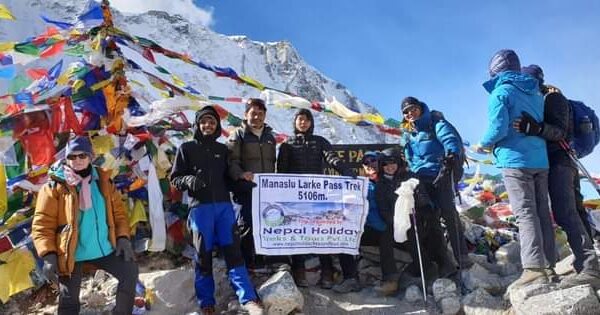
[(448, 160), (528, 125), (50, 268), (124, 248), (194, 182)]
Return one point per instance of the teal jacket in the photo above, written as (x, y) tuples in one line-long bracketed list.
[(93, 242), (510, 94)]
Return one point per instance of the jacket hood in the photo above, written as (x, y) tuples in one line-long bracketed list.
[(206, 110), (526, 83), (307, 113), (57, 171), (423, 122)]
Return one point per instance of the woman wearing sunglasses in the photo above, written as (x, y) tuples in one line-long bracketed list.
[(80, 219)]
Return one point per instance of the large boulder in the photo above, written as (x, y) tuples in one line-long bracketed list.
[(413, 294), (480, 302), (520, 294), (479, 277), (576, 300), (173, 290), (443, 288), (280, 295)]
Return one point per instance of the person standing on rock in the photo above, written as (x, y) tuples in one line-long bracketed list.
[(392, 173), (80, 219), (428, 140), (200, 168), (523, 160), (251, 150), (305, 153), (558, 126)]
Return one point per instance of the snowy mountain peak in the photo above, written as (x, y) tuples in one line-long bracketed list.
[(274, 64)]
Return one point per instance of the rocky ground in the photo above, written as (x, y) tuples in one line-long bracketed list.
[(484, 291)]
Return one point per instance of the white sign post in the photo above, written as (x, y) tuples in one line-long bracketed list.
[(308, 214)]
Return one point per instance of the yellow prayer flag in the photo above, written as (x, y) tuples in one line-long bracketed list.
[(7, 46), (252, 82), (3, 193), (5, 13), (178, 81), (137, 214), (14, 273)]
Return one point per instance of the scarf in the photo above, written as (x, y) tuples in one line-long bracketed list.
[(73, 178)]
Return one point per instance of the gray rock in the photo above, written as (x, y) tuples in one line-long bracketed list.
[(479, 277), (565, 266), (450, 305), (443, 288), (413, 294), (519, 295), (280, 295), (576, 300), (509, 253), (480, 302)]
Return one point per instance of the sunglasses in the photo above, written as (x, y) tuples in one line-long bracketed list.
[(369, 161), (410, 109), (81, 156)]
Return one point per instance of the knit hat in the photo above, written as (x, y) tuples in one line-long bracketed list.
[(369, 155), (534, 71), (504, 60), (409, 102), (251, 102), (79, 143)]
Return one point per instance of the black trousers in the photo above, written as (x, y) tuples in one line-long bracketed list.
[(247, 237), (385, 241), (126, 273)]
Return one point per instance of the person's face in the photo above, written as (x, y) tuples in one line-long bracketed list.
[(370, 166), (255, 117), (390, 168), (303, 123), (78, 160), (208, 125), (412, 113)]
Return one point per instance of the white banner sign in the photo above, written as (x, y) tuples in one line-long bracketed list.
[(308, 214)]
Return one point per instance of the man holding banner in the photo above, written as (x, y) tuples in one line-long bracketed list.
[(304, 153)]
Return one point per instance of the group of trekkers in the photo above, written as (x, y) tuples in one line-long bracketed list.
[(80, 217)]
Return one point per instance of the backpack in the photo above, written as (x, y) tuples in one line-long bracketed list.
[(586, 129), (458, 165)]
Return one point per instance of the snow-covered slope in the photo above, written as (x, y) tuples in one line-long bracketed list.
[(276, 64)]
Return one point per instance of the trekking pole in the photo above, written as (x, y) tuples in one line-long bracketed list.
[(414, 217), (457, 226), (579, 165)]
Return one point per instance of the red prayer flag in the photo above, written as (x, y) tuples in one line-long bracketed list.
[(53, 50), (37, 73)]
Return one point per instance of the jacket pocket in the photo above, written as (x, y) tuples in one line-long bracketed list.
[(62, 238)]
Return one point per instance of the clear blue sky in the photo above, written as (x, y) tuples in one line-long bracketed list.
[(437, 51)]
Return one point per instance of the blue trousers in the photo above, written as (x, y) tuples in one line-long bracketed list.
[(214, 224)]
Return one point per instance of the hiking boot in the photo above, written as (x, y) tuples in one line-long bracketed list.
[(387, 288), (531, 276), (579, 279), (552, 276), (208, 310), (253, 308), (347, 286), (326, 280), (300, 278)]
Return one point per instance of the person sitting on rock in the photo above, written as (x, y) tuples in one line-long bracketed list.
[(392, 173), (305, 153), (80, 219), (201, 167)]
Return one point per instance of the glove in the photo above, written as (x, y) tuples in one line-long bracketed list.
[(348, 172), (124, 248), (50, 267), (448, 160), (194, 182), (528, 125)]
